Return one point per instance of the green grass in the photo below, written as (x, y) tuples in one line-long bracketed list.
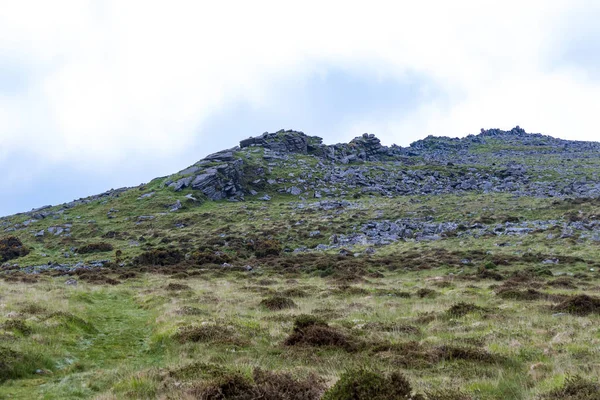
[(142, 331), (121, 341)]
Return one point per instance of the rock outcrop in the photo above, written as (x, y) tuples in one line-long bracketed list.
[(492, 161)]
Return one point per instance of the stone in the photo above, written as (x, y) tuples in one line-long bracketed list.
[(146, 195), (175, 207), (550, 261), (221, 156), (190, 170), (181, 183), (56, 230)]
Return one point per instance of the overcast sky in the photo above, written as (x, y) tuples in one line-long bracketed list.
[(102, 94)]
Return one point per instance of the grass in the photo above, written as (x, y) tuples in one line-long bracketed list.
[(120, 341), (211, 300)]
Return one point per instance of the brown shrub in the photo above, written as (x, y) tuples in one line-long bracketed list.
[(177, 286), (363, 384), (461, 309), (209, 333), (488, 274), (313, 331), (524, 295), (580, 305), (278, 386), (95, 248), (160, 257), (128, 275), (414, 355), (563, 282), (16, 277), (277, 303), (348, 290), (210, 257), (11, 247), (427, 293), (219, 383), (264, 248)]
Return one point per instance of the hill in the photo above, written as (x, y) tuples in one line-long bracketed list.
[(467, 265)]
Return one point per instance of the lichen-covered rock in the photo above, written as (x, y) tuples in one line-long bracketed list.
[(284, 142)]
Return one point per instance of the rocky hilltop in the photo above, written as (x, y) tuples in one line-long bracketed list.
[(290, 167), (492, 161), (470, 265)]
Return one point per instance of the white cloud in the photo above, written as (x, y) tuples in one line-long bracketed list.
[(114, 78)]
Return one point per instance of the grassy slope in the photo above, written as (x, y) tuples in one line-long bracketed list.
[(121, 341)]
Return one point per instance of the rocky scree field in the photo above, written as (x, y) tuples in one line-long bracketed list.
[(285, 268)]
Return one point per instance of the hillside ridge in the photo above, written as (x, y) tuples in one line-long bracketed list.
[(221, 175)]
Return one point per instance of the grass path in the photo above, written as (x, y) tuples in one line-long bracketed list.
[(120, 343)]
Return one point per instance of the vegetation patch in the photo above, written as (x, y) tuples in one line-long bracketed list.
[(72, 322), (16, 325), (99, 247), (485, 273), (580, 305), (392, 327), (224, 384), (97, 278), (210, 333), (11, 247), (448, 394), (175, 287), (564, 282), (277, 303), (415, 355), (14, 365), (160, 257), (349, 290), (188, 310), (365, 384), (265, 248), (392, 293), (461, 309), (522, 295), (427, 293), (313, 331), (574, 388), (294, 292), (210, 257), (33, 309)]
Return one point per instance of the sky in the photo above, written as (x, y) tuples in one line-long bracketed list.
[(104, 94)]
